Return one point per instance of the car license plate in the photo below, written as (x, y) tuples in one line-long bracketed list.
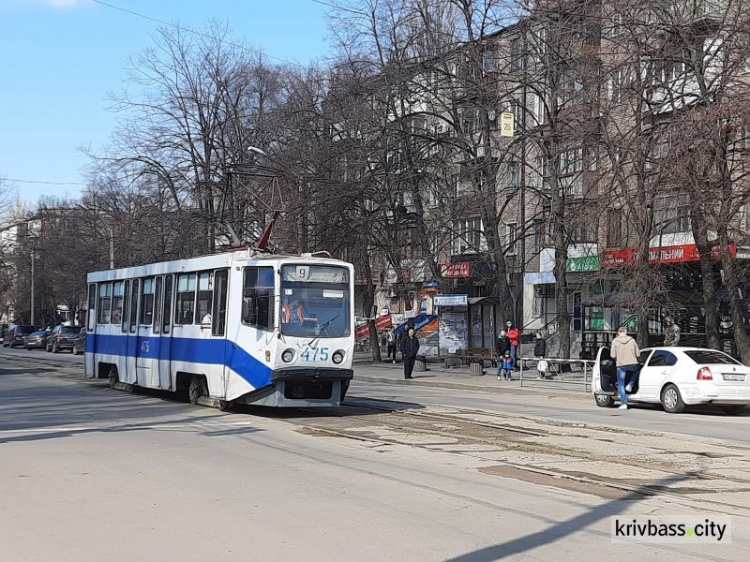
[(734, 377)]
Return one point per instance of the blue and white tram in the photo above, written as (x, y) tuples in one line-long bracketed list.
[(234, 327)]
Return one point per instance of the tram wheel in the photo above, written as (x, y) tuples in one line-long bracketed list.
[(113, 378), (197, 389)]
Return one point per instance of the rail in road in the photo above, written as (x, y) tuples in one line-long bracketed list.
[(594, 458)]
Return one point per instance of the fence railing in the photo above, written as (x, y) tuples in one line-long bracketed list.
[(559, 372)]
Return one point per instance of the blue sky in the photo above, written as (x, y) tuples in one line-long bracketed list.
[(60, 58)]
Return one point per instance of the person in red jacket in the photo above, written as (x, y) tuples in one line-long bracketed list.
[(513, 335)]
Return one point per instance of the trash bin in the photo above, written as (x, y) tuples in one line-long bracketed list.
[(476, 369)]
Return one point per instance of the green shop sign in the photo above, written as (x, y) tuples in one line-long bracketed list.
[(586, 263)]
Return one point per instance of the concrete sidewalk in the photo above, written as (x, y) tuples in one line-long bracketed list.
[(569, 384)]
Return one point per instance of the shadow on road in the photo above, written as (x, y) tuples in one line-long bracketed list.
[(563, 529)]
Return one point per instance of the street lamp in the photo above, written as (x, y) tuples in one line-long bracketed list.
[(256, 150), (33, 259)]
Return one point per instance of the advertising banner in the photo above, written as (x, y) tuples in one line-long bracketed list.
[(454, 332)]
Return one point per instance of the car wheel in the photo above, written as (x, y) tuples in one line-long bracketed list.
[(74, 351), (55, 348), (732, 410), (671, 399), (604, 400)]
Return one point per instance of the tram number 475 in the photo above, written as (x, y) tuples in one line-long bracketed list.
[(315, 353)]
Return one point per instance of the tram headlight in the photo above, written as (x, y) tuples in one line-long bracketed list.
[(287, 356), (338, 357)]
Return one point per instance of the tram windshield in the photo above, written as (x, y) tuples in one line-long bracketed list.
[(315, 301)]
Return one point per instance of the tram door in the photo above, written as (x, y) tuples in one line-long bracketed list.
[(165, 340), (146, 346), (131, 327)]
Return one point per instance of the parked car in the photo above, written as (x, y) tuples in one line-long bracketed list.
[(15, 334), (62, 337), (676, 377), (79, 346), (36, 340)]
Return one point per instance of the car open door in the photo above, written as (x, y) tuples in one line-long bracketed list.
[(607, 372)]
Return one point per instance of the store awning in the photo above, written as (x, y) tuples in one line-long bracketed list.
[(484, 300), (541, 278)]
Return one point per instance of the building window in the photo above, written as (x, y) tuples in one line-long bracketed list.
[(517, 55), (469, 121), (468, 236), (514, 169), (614, 228), (511, 238), (185, 298), (537, 237), (672, 213), (570, 166), (619, 83), (540, 172), (584, 234), (488, 59)]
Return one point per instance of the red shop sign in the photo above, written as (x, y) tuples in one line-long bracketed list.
[(455, 270), (361, 332), (383, 322), (665, 254)]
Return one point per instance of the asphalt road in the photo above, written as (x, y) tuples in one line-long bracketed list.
[(703, 422), (87, 473)]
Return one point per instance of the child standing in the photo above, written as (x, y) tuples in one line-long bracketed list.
[(507, 367)]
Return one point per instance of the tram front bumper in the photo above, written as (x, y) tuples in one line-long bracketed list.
[(319, 383)]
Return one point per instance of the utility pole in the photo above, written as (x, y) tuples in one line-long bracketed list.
[(33, 256), (111, 247)]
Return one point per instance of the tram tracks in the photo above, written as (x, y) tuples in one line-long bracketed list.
[(570, 455)]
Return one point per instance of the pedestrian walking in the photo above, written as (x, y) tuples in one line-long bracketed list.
[(671, 333), (514, 335), (502, 346), (390, 340), (625, 353), (409, 351), (540, 351)]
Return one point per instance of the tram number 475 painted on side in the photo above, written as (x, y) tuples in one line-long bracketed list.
[(315, 353)]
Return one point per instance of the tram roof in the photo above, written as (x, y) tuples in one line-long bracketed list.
[(212, 261)]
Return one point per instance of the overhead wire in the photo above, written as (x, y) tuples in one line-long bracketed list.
[(193, 31)]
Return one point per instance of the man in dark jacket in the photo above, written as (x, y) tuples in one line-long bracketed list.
[(409, 351)]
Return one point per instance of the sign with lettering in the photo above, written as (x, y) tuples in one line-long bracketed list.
[(451, 300), (582, 264), (665, 254), (507, 124), (455, 270)]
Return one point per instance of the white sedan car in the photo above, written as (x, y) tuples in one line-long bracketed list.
[(676, 377)]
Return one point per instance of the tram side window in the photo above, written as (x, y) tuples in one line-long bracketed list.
[(91, 321), (258, 297), (185, 299), (117, 302), (147, 302), (167, 320), (134, 305), (203, 310), (221, 279), (105, 302), (157, 305), (126, 307)]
